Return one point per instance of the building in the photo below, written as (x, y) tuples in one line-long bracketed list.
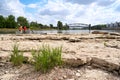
[(115, 25)]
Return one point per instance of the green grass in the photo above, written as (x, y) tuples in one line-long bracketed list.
[(47, 58), (16, 56)]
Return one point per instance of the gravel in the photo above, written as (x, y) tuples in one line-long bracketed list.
[(27, 72)]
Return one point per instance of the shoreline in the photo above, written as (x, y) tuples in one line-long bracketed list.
[(101, 50)]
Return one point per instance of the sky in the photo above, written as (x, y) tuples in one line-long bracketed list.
[(68, 11)]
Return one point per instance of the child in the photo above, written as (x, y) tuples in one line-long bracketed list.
[(20, 29)]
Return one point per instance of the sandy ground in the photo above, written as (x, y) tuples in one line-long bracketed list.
[(105, 47)]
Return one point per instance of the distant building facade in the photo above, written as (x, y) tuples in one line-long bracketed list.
[(115, 25)]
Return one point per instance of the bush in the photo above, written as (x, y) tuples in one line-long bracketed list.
[(16, 56), (47, 58)]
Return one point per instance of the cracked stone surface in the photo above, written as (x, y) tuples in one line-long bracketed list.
[(101, 54)]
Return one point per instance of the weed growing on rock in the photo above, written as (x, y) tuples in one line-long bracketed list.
[(16, 56), (47, 58)]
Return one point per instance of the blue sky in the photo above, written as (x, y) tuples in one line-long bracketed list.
[(67, 11), (26, 2)]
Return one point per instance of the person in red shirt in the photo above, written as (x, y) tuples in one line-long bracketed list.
[(24, 29)]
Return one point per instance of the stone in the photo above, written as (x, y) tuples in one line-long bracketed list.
[(78, 74), (98, 32), (104, 64), (64, 76), (2, 64), (74, 40), (70, 79), (78, 71), (6, 72)]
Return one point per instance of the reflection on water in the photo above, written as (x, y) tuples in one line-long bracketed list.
[(56, 31), (70, 31), (61, 31)]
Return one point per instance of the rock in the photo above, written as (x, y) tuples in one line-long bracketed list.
[(55, 38), (6, 72), (104, 64), (98, 32), (75, 60), (61, 78), (78, 74), (112, 45), (119, 71), (70, 79), (1, 64), (74, 40), (78, 71), (115, 72), (4, 57), (115, 34), (16, 72), (64, 76), (65, 38)]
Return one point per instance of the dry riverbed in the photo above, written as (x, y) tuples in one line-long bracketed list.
[(87, 56)]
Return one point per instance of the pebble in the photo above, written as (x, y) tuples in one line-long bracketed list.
[(6, 72), (78, 74), (64, 76), (16, 72), (1, 64), (70, 79), (78, 70)]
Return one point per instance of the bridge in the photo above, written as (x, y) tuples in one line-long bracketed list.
[(78, 25)]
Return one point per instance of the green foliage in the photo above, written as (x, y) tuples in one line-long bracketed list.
[(65, 27), (99, 27), (2, 21), (47, 58), (16, 57), (51, 26), (22, 21), (10, 22), (33, 24), (59, 25)]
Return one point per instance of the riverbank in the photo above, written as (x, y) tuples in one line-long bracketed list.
[(84, 54)]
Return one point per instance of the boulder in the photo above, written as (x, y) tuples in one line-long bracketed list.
[(98, 32), (104, 64)]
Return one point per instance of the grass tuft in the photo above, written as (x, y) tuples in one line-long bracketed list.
[(47, 58), (16, 56)]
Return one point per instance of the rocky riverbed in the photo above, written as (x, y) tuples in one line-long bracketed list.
[(87, 56)]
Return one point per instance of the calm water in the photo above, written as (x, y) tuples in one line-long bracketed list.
[(71, 31), (63, 31)]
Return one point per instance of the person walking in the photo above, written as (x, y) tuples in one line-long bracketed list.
[(21, 29), (24, 29)]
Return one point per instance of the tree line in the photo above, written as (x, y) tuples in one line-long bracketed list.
[(11, 22)]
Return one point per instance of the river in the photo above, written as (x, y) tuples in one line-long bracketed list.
[(70, 31), (56, 31)]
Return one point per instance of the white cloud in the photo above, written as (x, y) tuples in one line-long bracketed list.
[(32, 6), (13, 7), (67, 11)]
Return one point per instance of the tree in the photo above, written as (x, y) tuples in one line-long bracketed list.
[(10, 22), (40, 25), (99, 26), (51, 25), (2, 22), (34, 24), (22, 21), (66, 27), (59, 25)]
